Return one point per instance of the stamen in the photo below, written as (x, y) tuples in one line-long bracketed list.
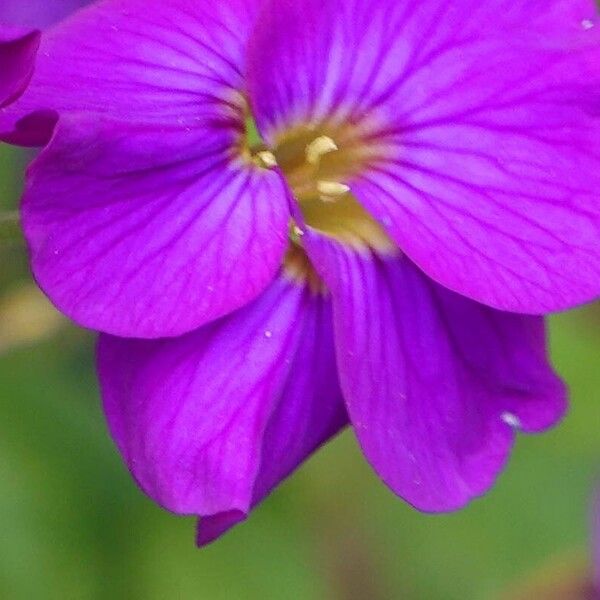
[(318, 170), (266, 159), (332, 189), (319, 147), (298, 268), (296, 233)]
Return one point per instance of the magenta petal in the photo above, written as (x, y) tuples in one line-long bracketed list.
[(209, 422), (138, 61), (310, 411), (487, 120), (36, 13), (151, 232), (18, 50), (435, 384)]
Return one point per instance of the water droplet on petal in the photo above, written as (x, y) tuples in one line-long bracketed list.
[(587, 24), (512, 420)]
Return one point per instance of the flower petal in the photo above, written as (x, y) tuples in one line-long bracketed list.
[(151, 232), (209, 422), (434, 383), (140, 61), (486, 120), (36, 13), (18, 50), (310, 412)]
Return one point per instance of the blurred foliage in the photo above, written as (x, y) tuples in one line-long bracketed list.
[(75, 526)]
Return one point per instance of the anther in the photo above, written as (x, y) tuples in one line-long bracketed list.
[(266, 159), (331, 190), (319, 147), (296, 231)]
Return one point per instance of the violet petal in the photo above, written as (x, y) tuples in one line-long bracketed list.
[(209, 422), (18, 50), (139, 61), (435, 384), (150, 232), (486, 121)]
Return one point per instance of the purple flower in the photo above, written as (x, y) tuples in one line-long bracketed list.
[(18, 49), (37, 13), (426, 188), (19, 44)]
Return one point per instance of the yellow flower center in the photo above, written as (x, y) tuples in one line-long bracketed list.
[(319, 165)]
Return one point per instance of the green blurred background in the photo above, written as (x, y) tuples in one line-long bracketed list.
[(73, 524)]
